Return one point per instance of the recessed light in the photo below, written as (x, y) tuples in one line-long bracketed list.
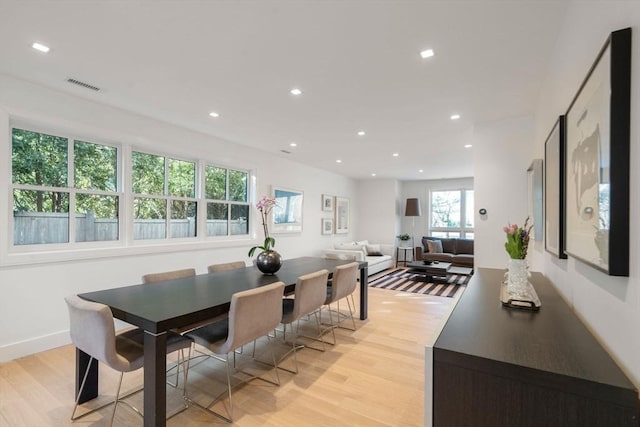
[(214, 114), (296, 91), (468, 146), (40, 47), (338, 161), (455, 116), (361, 133), (396, 154), (421, 170), (293, 144), (427, 53), (373, 174)]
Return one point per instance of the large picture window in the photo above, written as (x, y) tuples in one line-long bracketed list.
[(451, 213), (43, 167)]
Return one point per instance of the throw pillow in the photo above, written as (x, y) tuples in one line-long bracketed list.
[(434, 246), (373, 250)]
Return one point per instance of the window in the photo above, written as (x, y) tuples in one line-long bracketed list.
[(226, 193), (42, 168), (164, 203), (451, 213), (70, 191)]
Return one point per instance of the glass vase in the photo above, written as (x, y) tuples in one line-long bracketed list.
[(518, 278)]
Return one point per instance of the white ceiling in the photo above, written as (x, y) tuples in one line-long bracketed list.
[(357, 63)]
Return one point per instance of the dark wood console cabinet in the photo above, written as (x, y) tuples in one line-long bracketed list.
[(494, 366)]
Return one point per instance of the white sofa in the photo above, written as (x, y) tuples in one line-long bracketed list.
[(357, 251)]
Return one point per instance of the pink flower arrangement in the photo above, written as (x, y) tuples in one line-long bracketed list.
[(265, 205), (517, 239)]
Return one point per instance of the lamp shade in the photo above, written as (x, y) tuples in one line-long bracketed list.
[(413, 208)]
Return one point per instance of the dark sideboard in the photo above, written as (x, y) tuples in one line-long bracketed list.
[(495, 366)]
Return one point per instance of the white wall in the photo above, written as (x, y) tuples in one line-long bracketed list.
[(377, 210), (32, 311), (502, 152), (610, 306)]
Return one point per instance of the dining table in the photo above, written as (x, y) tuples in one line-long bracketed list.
[(176, 303)]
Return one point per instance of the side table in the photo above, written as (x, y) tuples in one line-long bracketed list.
[(404, 250)]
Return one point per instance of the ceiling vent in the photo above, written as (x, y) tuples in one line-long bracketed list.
[(286, 152), (83, 84)]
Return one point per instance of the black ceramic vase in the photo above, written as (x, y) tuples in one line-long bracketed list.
[(269, 262)]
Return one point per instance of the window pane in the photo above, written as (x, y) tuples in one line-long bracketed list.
[(95, 166), (183, 218), (445, 209), (147, 173), (182, 178), (38, 159), (217, 216), (149, 218), (96, 218), (468, 236), (238, 186), (469, 208), (445, 234), (216, 183), (40, 217), (239, 219)]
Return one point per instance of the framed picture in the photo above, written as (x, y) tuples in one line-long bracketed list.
[(327, 225), (286, 216), (327, 203), (342, 215), (554, 190), (597, 161), (534, 176)]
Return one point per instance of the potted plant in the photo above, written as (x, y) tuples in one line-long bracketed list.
[(268, 261)]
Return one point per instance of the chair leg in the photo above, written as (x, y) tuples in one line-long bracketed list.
[(229, 384), (273, 357), (351, 311), (115, 403), (84, 380)]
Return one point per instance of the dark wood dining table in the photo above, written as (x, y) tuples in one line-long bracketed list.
[(176, 303)]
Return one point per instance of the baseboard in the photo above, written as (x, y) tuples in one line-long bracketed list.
[(35, 345)]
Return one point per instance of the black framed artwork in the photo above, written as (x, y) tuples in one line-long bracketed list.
[(554, 177), (597, 161)]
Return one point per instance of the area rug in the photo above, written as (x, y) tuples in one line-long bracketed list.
[(405, 281)]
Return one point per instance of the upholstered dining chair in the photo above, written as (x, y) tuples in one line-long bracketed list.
[(253, 314), (234, 265), (310, 295), (168, 275), (92, 330), (343, 283)]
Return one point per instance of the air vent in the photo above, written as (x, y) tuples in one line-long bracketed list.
[(286, 152), (83, 84)]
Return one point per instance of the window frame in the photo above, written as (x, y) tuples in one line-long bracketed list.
[(11, 254), (463, 230), (71, 190), (226, 201), (165, 196)]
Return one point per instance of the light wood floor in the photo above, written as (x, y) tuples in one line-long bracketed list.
[(372, 377)]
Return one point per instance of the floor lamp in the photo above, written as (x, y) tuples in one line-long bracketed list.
[(412, 209)]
